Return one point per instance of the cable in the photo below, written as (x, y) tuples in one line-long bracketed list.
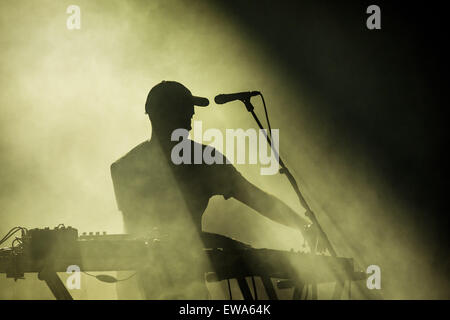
[(108, 278), (13, 231), (9, 234)]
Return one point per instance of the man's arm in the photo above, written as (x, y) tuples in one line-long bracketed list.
[(266, 204)]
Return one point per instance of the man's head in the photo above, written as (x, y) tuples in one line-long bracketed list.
[(170, 106)]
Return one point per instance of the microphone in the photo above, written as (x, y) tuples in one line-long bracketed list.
[(224, 98)]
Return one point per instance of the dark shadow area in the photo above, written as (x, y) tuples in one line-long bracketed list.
[(379, 91)]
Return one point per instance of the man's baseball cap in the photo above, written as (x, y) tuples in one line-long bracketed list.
[(172, 92)]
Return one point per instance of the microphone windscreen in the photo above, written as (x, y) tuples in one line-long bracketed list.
[(220, 99)]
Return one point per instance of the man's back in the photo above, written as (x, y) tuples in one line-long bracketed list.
[(152, 192)]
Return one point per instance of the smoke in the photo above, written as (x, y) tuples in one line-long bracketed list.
[(72, 102)]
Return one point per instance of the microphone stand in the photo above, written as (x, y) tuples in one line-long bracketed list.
[(284, 170), (309, 213)]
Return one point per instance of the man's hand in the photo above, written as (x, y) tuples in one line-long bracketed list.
[(314, 238), (268, 205)]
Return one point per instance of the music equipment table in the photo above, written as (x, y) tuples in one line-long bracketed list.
[(47, 252)]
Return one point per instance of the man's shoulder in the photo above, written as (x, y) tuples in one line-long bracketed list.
[(134, 156)]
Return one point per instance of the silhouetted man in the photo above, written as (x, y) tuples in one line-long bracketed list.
[(152, 191)]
